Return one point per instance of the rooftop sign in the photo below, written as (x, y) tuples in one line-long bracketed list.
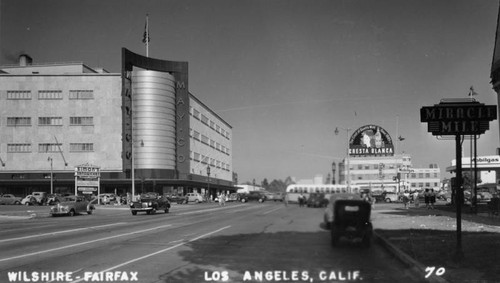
[(458, 118), (371, 140)]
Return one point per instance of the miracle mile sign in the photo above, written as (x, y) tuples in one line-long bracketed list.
[(458, 117)]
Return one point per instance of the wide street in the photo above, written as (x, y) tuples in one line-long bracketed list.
[(238, 242)]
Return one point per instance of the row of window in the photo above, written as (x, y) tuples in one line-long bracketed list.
[(206, 140), (424, 185), (49, 94), (50, 121), (389, 177), (49, 147), (205, 120), (208, 160)]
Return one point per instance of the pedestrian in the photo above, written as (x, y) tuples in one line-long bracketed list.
[(406, 199), (416, 199), (301, 200), (432, 199), (427, 198), (286, 199)]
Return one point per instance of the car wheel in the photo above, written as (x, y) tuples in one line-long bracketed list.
[(196, 201), (89, 212), (27, 203), (387, 200), (153, 211), (166, 210), (134, 212), (243, 200), (17, 203), (72, 212)]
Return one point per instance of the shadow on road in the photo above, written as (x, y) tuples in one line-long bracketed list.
[(305, 255)]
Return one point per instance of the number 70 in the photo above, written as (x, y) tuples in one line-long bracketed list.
[(430, 269)]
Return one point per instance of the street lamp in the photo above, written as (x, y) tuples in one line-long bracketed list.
[(348, 178), (133, 168), (51, 176), (208, 180)]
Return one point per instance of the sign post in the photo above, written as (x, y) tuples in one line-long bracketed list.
[(458, 117), (87, 179)]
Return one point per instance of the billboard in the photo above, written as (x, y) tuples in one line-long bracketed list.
[(371, 140)]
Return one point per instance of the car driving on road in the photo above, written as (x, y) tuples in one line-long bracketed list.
[(72, 205), (150, 203)]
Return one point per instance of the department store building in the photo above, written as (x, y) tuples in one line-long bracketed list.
[(57, 117)]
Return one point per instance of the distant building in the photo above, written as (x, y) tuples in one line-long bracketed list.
[(54, 117), (373, 164)]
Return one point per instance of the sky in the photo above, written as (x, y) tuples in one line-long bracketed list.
[(285, 74)]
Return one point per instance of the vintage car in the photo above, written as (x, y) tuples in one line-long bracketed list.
[(72, 205), (351, 219), (317, 200), (194, 197), (9, 199), (253, 196), (29, 200), (150, 203)]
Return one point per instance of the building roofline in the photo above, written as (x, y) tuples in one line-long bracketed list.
[(210, 110)]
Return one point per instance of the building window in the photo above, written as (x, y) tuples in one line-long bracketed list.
[(18, 147), (78, 147), (204, 119), (196, 135), (196, 114), (81, 94), (81, 121), (204, 139), (50, 94), (212, 125), (196, 156), (18, 94), (50, 121), (18, 121), (212, 143), (49, 147)]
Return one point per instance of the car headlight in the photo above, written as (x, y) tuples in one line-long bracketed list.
[(150, 204), (64, 208)]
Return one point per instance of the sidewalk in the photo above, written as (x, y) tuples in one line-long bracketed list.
[(424, 238)]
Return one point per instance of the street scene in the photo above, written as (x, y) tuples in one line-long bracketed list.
[(249, 141)]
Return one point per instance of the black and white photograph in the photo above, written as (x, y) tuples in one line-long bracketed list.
[(304, 141)]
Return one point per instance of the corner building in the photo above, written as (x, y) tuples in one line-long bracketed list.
[(55, 117)]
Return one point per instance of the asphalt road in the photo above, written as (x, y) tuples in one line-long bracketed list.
[(249, 242)]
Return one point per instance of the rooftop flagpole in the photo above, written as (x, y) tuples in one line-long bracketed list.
[(146, 37)]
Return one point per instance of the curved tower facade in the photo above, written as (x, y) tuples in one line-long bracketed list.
[(153, 119)]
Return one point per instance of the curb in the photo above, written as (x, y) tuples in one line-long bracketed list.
[(415, 266)]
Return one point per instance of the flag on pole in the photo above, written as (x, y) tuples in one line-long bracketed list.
[(146, 39)]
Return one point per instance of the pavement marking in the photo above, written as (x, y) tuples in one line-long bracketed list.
[(272, 210), (157, 252), (206, 210), (60, 232), (83, 243)]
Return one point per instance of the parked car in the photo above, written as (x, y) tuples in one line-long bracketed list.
[(177, 199), (29, 200), (10, 199), (53, 198), (107, 198), (351, 219), (41, 197), (150, 203), (278, 197), (194, 197), (253, 196), (317, 200), (233, 197), (328, 214), (72, 205), (390, 197)]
